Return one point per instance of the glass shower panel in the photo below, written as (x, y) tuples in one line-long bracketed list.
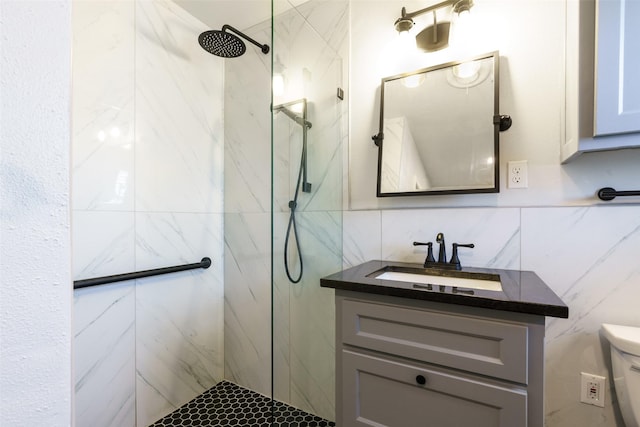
[(307, 70)]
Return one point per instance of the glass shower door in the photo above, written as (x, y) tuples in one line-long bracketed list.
[(307, 200)]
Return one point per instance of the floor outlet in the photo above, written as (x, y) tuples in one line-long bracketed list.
[(517, 174), (592, 389)]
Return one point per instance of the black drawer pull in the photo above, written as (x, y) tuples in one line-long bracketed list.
[(420, 379)]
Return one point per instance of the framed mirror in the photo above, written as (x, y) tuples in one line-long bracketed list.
[(439, 130)]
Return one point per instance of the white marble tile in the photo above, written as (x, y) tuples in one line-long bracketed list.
[(494, 232), (247, 98), (311, 311), (103, 90), (179, 316), (361, 237), (179, 130), (247, 308), (329, 18), (103, 243), (104, 355), (314, 72), (589, 257)]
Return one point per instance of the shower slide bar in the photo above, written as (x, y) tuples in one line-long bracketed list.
[(85, 283), (608, 193)]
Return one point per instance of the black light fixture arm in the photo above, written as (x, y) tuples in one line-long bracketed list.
[(263, 47), (436, 6)]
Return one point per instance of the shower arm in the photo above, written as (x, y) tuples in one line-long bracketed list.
[(263, 47)]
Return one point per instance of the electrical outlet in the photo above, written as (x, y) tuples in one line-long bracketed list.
[(592, 389), (517, 174)]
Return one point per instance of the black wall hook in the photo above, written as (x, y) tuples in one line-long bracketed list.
[(503, 120)]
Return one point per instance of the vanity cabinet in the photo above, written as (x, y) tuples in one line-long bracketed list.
[(404, 362), (602, 94), (617, 108)]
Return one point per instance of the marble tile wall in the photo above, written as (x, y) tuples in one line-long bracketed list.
[(147, 159), (587, 255), (247, 221)]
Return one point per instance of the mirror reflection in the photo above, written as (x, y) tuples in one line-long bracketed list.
[(437, 132)]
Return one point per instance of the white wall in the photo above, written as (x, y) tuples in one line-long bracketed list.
[(584, 249), (35, 264)]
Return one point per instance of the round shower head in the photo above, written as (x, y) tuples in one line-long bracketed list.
[(222, 43)]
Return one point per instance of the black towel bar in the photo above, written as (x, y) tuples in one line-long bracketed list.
[(608, 193), (85, 283)]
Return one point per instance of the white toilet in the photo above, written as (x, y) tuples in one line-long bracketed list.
[(625, 360)]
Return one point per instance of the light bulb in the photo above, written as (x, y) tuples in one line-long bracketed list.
[(407, 41)]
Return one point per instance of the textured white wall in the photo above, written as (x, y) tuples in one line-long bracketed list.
[(35, 270)]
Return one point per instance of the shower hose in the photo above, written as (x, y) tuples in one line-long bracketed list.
[(292, 224)]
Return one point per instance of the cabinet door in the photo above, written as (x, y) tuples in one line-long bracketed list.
[(617, 67), (381, 392)]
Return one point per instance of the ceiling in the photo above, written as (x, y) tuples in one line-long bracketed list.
[(240, 14)]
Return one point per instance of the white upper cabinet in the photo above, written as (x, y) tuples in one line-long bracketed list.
[(617, 67), (602, 85)]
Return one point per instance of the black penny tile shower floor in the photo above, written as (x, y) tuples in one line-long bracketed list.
[(228, 404)]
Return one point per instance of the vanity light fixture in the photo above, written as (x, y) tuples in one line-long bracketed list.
[(435, 36)]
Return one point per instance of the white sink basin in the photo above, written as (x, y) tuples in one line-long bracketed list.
[(468, 283)]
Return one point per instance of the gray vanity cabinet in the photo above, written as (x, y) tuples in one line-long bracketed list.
[(404, 363)]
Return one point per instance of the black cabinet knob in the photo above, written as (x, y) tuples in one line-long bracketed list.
[(421, 380)]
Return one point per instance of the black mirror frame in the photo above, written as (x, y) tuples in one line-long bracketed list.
[(500, 124)]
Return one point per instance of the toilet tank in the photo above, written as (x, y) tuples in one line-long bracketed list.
[(625, 361)]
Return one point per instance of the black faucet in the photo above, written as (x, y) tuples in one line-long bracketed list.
[(453, 264), (455, 261), (442, 252), (429, 260)]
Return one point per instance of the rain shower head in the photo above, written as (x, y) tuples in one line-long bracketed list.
[(226, 45)]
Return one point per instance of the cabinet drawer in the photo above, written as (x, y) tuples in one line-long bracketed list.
[(381, 392), (488, 347)]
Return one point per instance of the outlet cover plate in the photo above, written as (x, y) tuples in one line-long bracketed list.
[(517, 174), (592, 389)]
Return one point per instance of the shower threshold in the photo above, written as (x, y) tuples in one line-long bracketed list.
[(228, 404)]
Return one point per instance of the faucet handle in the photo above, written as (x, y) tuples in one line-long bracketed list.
[(454, 257), (429, 245)]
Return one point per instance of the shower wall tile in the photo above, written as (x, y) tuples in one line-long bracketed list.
[(103, 243), (104, 349), (247, 97), (102, 149), (588, 255), (282, 300), (179, 317), (312, 324), (179, 127), (247, 301), (330, 18), (163, 335), (361, 237), (312, 70), (495, 233)]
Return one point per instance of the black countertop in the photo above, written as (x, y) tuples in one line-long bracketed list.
[(522, 291)]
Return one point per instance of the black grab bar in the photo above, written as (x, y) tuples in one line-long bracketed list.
[(85, 283), (608, 193)]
